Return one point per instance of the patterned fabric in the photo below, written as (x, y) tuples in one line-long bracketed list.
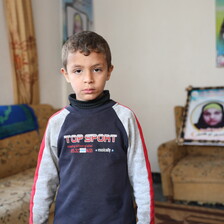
[(199, 169), (178, 111), (18, 158), (15, 197), (18, 153), (169, 154), (23, 49), (16, 119), (205, 151)]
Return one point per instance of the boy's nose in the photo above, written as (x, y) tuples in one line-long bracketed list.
[(88, 78)]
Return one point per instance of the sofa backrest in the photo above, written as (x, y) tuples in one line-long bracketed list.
[(20, 152), (195, 150), (178, 113)]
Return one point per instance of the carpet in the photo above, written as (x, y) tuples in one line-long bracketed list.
[(168, 213)]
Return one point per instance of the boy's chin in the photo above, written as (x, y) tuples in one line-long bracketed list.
[(88, 97)]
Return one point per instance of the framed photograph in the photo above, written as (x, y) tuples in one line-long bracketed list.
[(203, 122), (77, 16), (220, 33)]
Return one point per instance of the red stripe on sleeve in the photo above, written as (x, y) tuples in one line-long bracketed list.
[(149, 173), (42, 146), (36, 177)]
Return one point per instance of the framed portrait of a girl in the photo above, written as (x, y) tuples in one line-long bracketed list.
[(203, 122), (77, 16)]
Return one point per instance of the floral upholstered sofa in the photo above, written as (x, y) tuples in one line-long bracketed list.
[(18, 158)]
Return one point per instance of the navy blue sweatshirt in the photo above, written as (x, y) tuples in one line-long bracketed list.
[(93, 155)]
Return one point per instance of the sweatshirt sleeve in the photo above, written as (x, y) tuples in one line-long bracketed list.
[(46, 179), (138, 166)]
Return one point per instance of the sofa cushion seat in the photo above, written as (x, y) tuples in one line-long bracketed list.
[(199, 169), (15, 197), (199, 178)]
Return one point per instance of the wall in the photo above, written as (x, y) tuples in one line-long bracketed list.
[(47, 22), (6, 89), (159, 48)]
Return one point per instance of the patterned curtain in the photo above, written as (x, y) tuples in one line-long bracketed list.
[(23, 51)]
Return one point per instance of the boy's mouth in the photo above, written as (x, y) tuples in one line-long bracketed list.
[(88, 91)]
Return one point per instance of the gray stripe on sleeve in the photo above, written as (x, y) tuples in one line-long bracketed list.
[(47, 179), (138, 173)]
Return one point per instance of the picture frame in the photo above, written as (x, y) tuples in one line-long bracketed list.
[(203, 117), (220, 33), (77, 16)]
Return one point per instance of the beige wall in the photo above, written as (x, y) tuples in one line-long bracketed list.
[(47, 21), (159, 47), (6, 90)]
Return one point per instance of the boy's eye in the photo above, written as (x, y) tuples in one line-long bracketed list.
[(97, 70), (77, 71)]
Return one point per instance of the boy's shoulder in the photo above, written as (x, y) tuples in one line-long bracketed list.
[(59, 115), (126, 116), (123, 110)]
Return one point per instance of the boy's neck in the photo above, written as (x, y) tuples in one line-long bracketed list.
[(103, 98)]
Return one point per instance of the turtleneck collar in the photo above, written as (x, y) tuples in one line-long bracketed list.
[(91, 103)]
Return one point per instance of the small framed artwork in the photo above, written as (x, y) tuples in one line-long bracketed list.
[(203, 122), (77, 16), (220, 33)]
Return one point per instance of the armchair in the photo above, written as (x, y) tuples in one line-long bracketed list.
[(191, 173)]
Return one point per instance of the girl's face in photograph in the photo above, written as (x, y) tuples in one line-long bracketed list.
[(212, 116)]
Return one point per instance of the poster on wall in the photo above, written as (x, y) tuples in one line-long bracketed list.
[(220, 33), (203, 119), (77, 16)]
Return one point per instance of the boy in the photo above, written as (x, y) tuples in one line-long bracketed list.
[(93, 152)]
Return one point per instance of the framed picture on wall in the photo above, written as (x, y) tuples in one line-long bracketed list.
[(203, 119), (220, 33), (77, 16)]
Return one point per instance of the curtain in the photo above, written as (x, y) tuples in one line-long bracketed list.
[(22, 44)]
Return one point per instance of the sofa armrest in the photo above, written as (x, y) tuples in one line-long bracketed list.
[(20, 152), (43, 113), (169, 153)]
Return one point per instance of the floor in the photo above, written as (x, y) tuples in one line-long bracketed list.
[(158, 195)]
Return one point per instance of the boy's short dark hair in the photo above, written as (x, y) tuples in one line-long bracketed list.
[(86, 42)]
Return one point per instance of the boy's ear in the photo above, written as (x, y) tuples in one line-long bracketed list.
[(65, 74), (109, 72)]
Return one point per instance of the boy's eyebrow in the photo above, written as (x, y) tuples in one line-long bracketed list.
[(95, 65), (75, 66), (98, 64)]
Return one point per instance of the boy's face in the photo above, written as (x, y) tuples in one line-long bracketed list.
[(87, 74)]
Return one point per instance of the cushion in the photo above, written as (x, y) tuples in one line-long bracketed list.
[(18, 153), (207, 169), (210, 151), (15, 197)]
